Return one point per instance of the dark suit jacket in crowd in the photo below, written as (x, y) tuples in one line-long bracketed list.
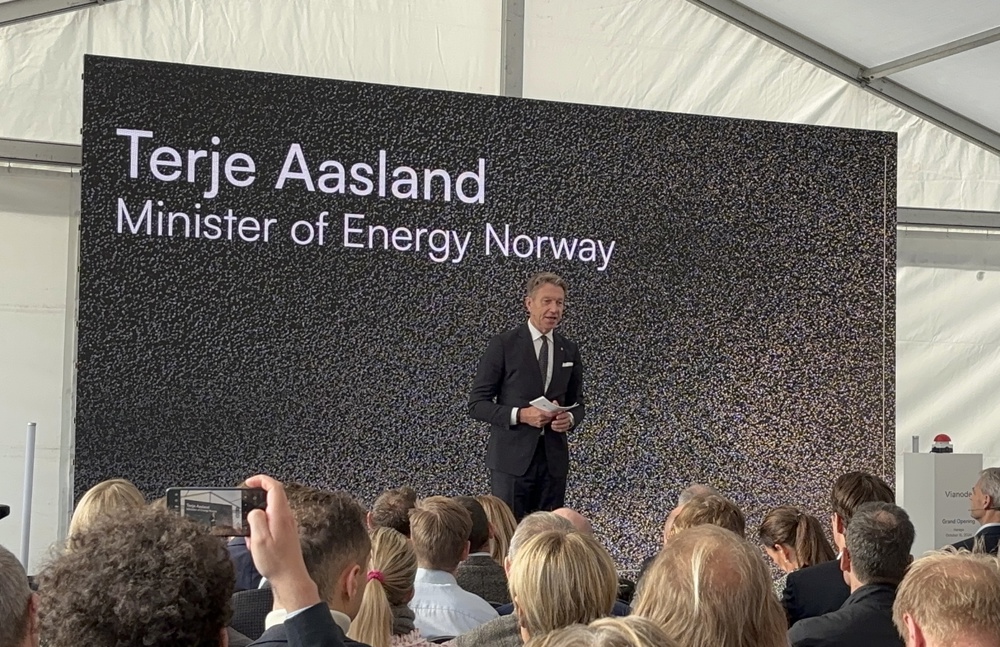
[(501, 632), (508, 376), (865, 620), (307, 629), (247, 577), (814, 590), (250, 609), (990, 538), (480, 574)]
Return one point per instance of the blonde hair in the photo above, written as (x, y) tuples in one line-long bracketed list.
[(503, 522), (632, 631), (107, 497), (395, 563), (709, 587), (440, 529), (559, 579), (951, 596), (711, 509)]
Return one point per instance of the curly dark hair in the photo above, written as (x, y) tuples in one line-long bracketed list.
[(149, 578)]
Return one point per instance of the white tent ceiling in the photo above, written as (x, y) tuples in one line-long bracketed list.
[(938, 59)]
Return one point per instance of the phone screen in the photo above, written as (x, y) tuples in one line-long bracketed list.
[(222, 510)]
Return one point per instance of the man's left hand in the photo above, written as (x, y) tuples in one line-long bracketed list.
[(563, 422)]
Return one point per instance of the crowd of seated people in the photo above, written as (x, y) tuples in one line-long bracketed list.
[(318, 569)]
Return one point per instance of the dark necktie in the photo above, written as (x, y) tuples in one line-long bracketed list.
[(543, 361)]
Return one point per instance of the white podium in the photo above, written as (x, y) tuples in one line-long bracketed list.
[(936, 490)]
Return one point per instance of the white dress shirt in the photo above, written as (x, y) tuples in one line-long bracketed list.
[(443, 608), (985, 526), (536, 338)]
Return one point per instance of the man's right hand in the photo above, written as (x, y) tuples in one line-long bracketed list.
[(534, 416)]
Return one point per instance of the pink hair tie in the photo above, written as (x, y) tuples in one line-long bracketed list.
[(376, 575)]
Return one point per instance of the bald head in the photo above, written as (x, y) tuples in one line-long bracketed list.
[(580, 522)]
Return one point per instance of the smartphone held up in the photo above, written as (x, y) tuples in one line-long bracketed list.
[(222, 510)]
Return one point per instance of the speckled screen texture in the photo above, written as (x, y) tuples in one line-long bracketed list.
[(738, 333)]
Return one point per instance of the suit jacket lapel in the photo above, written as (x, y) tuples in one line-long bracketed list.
[(531, 360)]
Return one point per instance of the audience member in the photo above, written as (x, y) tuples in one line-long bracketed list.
[(688, 493), (18, 605), (626, 587), (149, 578), (479, 573), (793, 539), (335, 547), (504, 631), (711, 588), (113, 496), (502, 523), (559, 579), (712, 509), (816, 590), (607, 632), (875, 557), (580, 522), (384, 619), (440, 529), (985, 508), (950, 600), (392, 510)]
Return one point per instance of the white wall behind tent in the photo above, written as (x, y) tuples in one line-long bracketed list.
[(652, 54)]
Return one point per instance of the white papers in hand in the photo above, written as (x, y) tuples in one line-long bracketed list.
[(549, 406)]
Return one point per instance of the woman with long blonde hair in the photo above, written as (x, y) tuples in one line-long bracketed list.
[(502, 522), (384, 620), (114, 496)]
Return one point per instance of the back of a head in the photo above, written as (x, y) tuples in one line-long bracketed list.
[(440, 529), (631, 631), (392, 569), (953, 597), (695, 490), (332, 533), (580, 522), (710, 509), (855, 488), (115, 496), (502, 519), (535, 524), (152, 578), (559, 579), (15, 601), (479, 536), (789, 526), (879, 540), (710, 588), (392, 509)]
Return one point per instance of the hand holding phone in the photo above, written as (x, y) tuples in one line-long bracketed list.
[(274, 545)]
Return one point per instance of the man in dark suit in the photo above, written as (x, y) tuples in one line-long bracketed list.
[(875, 559), (528, 454), (819, 589), (985, 508)]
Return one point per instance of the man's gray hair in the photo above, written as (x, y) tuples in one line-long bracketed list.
[(15, 597), (695, 490), (535, 524), (879, 540), (989, 483)]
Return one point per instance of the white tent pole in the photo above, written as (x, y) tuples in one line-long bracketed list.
[(29, 479)]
